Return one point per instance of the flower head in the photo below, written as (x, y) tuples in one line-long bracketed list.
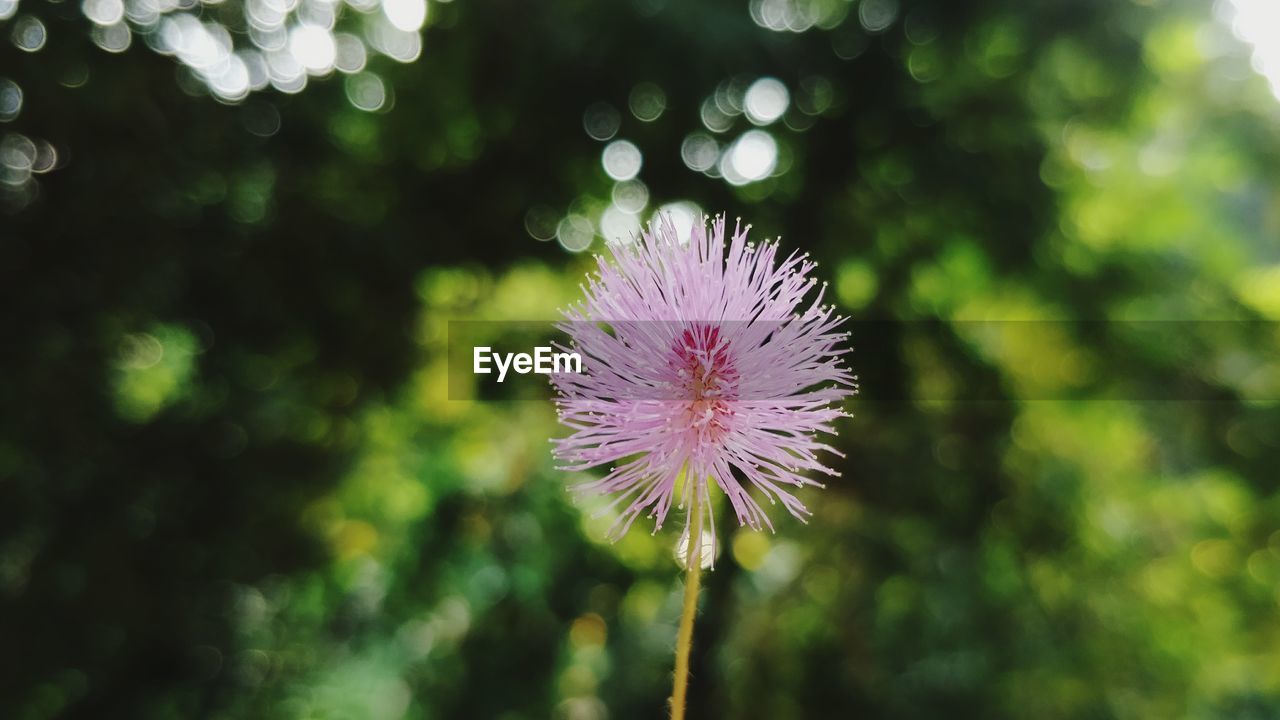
[(701, 358)]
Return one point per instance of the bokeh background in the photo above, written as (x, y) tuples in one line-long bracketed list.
[(233, 483)]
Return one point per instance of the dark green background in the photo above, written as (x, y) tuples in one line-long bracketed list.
[(232, 484)]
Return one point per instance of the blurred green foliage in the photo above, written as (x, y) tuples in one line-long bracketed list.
[(234, 483)]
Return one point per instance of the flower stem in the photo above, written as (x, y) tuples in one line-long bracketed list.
[(692, 579)]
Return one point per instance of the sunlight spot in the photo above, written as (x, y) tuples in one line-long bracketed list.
[(766, 100), (1257, 22)]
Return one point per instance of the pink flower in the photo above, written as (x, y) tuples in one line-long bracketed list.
[(705, 362)]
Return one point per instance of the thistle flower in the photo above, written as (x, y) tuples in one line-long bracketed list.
[(705, 360)]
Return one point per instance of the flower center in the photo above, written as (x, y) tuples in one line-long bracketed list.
[(708, 379)]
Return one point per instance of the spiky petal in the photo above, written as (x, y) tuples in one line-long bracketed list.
[(701, 359)]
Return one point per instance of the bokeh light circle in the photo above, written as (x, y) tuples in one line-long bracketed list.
[(349, 53), (575, 233), (618, 225), (683, 215), (752, 157), (699, 151), (18, 156), (405, 15), (103, 12), (366, 91), (647, 101), (314, 48), (622, 160), (601, 121), (29, 34), (10, 100), (112, 38), (631, 196), (877, 15), (766, 100), (541, 223)]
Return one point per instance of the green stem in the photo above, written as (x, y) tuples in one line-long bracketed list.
[(692, 579)]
